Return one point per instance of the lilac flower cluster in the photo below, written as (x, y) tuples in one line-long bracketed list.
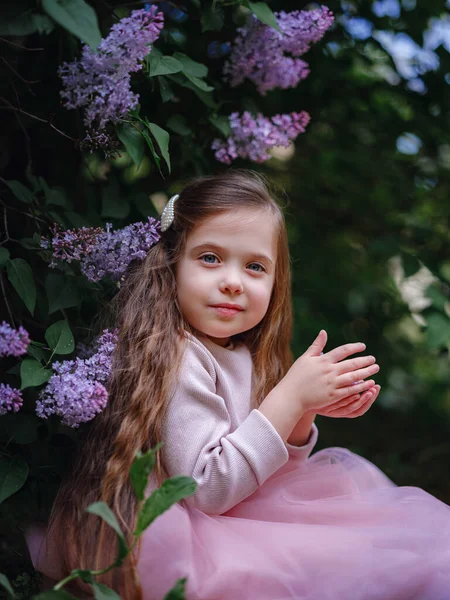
[(77, 392), (116, 249), (104, 253), (252, 137), (100, 81), (71, 244), (270, 58), (10, 399), (13, 342)]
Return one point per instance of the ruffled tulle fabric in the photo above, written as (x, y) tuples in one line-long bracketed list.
[(334, 528)]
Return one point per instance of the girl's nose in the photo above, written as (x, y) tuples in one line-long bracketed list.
[(231, 285)]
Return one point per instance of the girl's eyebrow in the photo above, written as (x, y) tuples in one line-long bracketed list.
[(217, 248)]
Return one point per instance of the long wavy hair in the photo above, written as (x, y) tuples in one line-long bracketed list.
[(145, 363)]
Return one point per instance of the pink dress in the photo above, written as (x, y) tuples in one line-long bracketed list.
[(271, 522)]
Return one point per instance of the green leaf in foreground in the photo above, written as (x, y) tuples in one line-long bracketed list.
[(101, 509), (264, 14), (20, 191), (59, 337), (4, 582), (133, 141), (103, 592), (33, 374), (54, 595), (140, 470), (21, 278), (163, 65), (178, 592), (172, 491), (13, 474), (4, 256), (77, 17), (162, 139)]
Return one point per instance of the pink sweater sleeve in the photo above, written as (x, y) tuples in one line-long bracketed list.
[(227, 465)]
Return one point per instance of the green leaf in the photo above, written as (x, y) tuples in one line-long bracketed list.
[(4, 582), (140, 470), (84, 574), (77, 17), (178, 124), (29, 244), (4, 257), (191, 67), (205, 97), (20, 191), (59, 337), (103, 592), (102, 510), (21, 277), (222, 124), (165, 89), (26, 24), (150, 144), (133, 141), (178, 592), (438, 331), (33, 374), (54, 595), (61, 292), (162, 139), (38, 353), (13, 474), (172, 490), (410, 264), (163, 65), (439, 299), (202, 85), (53, 195), (264, 14), (212, 19)]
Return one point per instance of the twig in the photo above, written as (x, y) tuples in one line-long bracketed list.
[(16, 73), (6, 300), (10, 106), (21, 47)]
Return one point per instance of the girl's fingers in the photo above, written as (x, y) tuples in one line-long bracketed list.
[(342, 352), (359, 408), (358, 388), (352, 364), (350, 406), (349, 378)]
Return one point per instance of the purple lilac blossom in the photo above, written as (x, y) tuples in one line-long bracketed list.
[(100, 81), (10, 399), (270, 58), (77, 390), (103, 253), (71, 244), (252, 137), (13, 342), (116, 249)]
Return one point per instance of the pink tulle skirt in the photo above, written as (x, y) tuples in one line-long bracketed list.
[(335, 528)]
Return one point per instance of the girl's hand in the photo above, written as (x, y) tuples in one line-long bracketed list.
[(353, 406), (319, 381)]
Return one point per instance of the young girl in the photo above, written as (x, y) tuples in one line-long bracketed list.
[(203, 364)]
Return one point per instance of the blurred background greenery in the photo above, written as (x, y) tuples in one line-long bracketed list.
[(368, 213)]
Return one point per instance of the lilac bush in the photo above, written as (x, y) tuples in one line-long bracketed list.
[(100, 81), (103, 253), (269, 58), (77, 390), (10, 399), (13, 342), (252, 137)]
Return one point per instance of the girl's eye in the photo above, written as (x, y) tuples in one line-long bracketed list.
[(207, 258), (259, 268)]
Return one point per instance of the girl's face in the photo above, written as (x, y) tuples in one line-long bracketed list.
[(226, 273)]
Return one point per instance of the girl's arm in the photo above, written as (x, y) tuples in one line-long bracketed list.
[(302, 431)]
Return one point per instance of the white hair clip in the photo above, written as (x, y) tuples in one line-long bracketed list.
[(168, 214)]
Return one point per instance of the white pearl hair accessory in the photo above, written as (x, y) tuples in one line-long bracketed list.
[(168, 214)]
